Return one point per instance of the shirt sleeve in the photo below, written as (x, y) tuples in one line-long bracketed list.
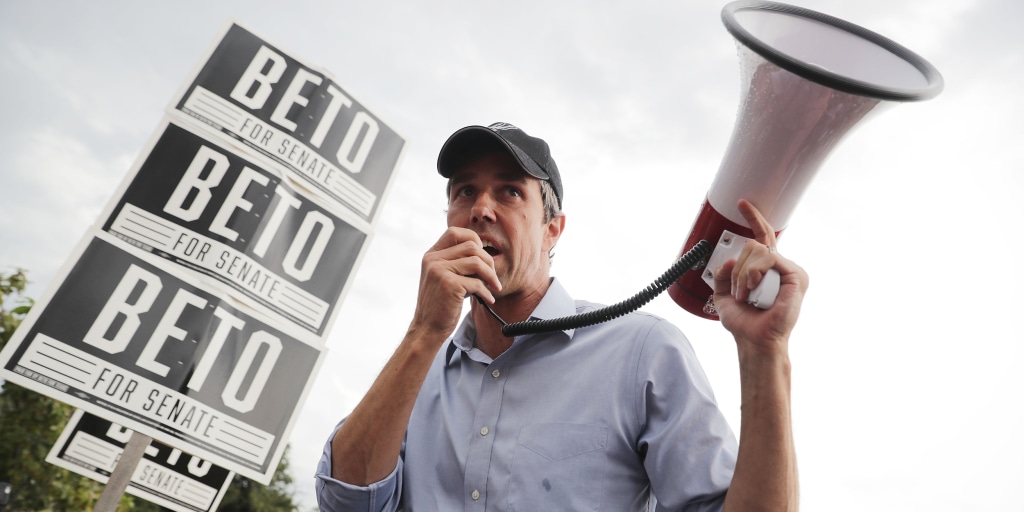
[(336, 496), (689, 449)]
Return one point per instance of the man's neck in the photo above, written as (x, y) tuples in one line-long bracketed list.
[(511, 308)]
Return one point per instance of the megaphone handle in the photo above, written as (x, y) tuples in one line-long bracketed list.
[(729, 247), (765, 293)]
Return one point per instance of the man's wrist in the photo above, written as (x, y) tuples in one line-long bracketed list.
[(767, 351), (425, 338), (764, 362)]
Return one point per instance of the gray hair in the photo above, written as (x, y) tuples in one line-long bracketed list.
[(547, 194), (551, 210)]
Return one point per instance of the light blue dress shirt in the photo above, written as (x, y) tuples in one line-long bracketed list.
[(615, 417)]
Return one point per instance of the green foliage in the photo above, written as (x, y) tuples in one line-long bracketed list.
[(13, 306), (31, 423)]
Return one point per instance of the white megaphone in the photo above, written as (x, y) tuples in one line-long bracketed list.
[(809, 78)]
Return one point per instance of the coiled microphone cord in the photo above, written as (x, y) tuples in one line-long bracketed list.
[(687, 261)]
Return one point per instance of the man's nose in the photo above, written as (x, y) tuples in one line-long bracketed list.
[(483, 208)]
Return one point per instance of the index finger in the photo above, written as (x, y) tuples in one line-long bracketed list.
[(763, 231), (454, 236)]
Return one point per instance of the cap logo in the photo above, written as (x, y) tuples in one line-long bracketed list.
[(502, 126)]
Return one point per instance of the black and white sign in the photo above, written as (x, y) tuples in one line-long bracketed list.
[(123, 337), (91, 447), (204, 206), (297, 115), (195, 311)]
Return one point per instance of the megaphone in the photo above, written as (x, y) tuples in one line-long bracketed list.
[(809, 78)]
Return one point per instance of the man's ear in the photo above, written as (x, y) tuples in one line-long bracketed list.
[(555, 228)]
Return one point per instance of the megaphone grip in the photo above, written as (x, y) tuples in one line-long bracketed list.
[(764, 294)]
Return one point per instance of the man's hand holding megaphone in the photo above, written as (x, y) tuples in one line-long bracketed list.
[(753, 328)]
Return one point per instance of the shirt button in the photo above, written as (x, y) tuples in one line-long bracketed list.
[(496, 374), (475, 495), (484, 431)]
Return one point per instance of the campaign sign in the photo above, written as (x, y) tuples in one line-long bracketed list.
[(91, 447), (144, 344), (298, 116), (210, 209)]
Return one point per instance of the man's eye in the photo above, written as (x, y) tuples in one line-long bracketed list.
[(464, 192), (515, 192)]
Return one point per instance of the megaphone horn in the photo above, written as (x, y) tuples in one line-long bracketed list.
[(809, 79)]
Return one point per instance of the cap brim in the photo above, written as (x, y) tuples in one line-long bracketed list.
[(473, 141)]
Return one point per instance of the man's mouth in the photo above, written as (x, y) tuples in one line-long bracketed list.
[(490, 249)]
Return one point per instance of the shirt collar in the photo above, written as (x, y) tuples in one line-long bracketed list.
[(557, 303)]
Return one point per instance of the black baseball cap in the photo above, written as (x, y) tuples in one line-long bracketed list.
[(532, 153)]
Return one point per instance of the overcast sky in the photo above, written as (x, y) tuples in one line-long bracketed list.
[(906, 381)]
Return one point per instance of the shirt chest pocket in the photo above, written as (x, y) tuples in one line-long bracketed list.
[(559, 466)]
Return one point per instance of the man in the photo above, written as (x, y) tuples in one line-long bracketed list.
[(616, 416)]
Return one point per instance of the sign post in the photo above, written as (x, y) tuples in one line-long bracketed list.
[(122, 474)]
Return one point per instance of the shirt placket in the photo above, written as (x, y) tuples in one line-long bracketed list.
[(481, 443)]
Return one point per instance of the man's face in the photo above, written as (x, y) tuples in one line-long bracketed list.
[(494, 197)]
